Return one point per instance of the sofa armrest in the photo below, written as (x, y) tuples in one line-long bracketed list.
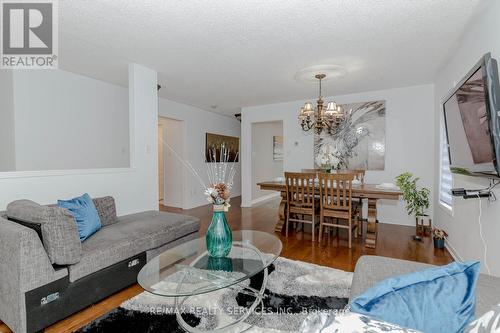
[(24, 266), (372, 269)]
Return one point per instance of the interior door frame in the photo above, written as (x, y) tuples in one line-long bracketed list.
[(161, 165), (181, 153)]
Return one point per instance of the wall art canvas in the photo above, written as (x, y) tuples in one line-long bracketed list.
[(358, 144), (213, 145), (277, 148)]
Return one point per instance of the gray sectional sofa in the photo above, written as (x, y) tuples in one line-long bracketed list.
[(372, 269), (36, 291)]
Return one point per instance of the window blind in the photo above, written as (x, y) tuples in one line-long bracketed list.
[(446, 179)]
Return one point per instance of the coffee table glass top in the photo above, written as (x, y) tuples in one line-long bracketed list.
[(187, 270)]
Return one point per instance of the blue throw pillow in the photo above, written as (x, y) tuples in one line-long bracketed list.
[(440, 299), (85, 213)]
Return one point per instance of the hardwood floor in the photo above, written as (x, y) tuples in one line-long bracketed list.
[(393, 241)]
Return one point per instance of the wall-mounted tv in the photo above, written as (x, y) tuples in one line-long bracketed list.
[(472, 120)]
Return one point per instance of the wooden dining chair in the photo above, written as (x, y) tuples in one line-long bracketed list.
[(359, 175), (300, 191), (336, 203)]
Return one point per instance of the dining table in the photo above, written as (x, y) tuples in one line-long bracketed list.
[(371, 192)]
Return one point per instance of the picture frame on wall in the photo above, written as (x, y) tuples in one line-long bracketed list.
[(213, 144), (278, 148)]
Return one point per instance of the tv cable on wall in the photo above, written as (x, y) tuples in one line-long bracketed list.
[(479, 194)]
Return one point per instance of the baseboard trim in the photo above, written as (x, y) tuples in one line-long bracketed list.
[(264, 198), (454, 253)]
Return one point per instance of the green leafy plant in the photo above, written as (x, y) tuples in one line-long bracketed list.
[(417, 200)]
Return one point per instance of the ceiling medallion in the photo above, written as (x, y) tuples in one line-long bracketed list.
[(332, 72), (320, 118)]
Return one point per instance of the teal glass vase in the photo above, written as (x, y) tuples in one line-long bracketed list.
[(220, 264), (219, 238)]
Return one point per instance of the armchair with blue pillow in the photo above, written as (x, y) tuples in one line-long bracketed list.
[(391, 295)]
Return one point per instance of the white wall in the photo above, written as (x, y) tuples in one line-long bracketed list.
[(409, 141), (68, 121), (173, 135), (105, 102), (135, 189), (7, 124), (264, 167), (197, 123), (462, 225)]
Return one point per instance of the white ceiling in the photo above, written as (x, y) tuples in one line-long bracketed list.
[(241, 53)]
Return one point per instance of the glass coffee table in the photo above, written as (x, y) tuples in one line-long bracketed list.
[(186, 270)]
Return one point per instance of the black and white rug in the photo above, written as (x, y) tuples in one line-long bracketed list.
[(294, 289)]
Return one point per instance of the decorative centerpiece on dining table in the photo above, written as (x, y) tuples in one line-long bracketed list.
[(330, 158), (219, 236)]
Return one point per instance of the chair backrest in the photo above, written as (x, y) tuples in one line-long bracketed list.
[(300, 188), (359, 174), (315, 171), (335, 191)]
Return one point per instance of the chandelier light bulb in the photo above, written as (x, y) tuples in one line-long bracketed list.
[(308, 108), (331, 108), (302, 114)]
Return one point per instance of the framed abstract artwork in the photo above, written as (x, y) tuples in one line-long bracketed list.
[(360, 141), (213, 144)]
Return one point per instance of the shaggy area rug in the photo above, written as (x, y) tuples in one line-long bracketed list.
[(294, 289)]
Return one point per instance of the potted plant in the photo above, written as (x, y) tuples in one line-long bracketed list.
[(417, 201), (439, 236)]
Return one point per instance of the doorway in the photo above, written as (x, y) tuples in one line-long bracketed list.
[(267, 157), (170, 169)]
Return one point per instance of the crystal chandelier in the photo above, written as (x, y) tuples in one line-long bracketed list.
[(321, 118)]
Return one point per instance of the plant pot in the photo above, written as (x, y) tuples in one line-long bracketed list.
[(439, 243), (423, 225), (219, 238)]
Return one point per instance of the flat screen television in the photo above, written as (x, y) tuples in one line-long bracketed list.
[(472, 121)]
